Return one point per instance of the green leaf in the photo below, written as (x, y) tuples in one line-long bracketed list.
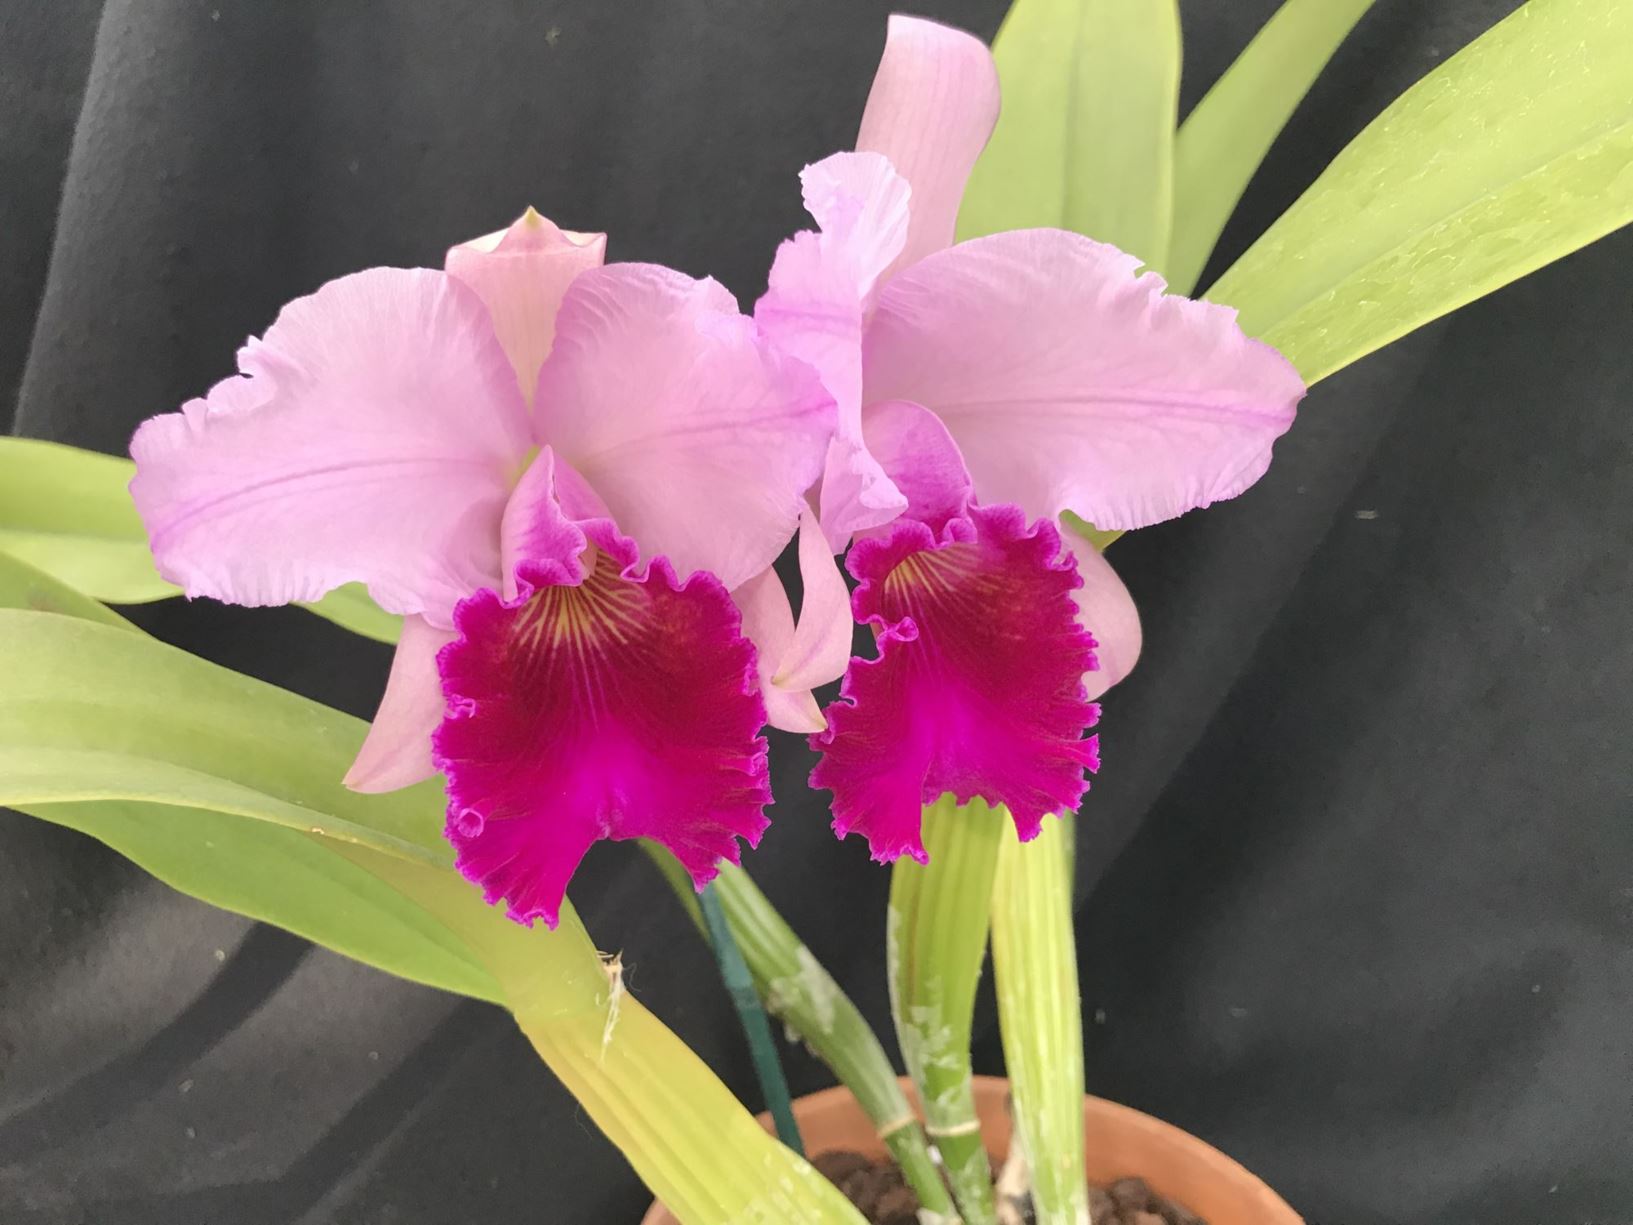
[(23, 586), (68, 684), (282, 876), (688, 1138), (222, 786), (1040, 1014), (935, 945), (1085, 140), (1223, 140), (228, 789), (68, 513), (1515, 152)]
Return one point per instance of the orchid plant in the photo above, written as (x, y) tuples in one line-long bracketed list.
[(558, 486)]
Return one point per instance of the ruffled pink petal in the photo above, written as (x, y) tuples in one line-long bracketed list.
[(820, 291), (521, 274), (374, 439), (698, 436), (622, 706), (1106, 609), (397, 751), (978, 686), (794, 660), (915, 450), (933, 105), (1070, 383)]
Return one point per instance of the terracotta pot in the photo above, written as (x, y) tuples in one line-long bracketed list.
[(1120, 1143)]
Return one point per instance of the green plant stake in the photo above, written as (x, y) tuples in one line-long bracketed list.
[(762, 1046)]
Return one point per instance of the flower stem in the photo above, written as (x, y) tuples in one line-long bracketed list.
[(936, 941), (1034, 958), (799, 992), (762, 1046)]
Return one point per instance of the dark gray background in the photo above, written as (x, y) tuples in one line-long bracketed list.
[(1357, 878)]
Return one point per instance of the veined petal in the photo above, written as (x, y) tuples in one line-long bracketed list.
[(820, 291), (1107, 610), (933, 105), (623, 706), (373, 439), (520, 274), (1070, 383), (698, 436), (397, 751), (978, 686)]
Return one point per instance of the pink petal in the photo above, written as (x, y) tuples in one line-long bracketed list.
[(821, 289), (397, 751), (1070, 383), (793, 661), (1106, 609), (521, 274), (698, 436), (374, 439), (978, 686), (793, 710), (768, 622), (822, 642), (624, 706), (915, 450), (933, 105)]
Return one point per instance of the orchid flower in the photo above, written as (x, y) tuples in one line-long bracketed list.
[(558, 471), (983, 389)]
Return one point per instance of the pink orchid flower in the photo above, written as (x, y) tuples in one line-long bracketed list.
[(983, 389), (558, 472)]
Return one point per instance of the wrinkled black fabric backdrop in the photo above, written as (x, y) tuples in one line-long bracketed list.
[(1357, 879)]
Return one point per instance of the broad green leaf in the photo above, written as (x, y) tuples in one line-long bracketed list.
[(685, 1134), (68, 512), (688, 1138), (68, 684), (280, 875), (1086, 137), (222, 786), (1515, 152), (228, 789), (33, 774), (25, 587), (1222, 142)]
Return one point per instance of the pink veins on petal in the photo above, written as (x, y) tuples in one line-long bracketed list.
[(623, 704), (978, 686)]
